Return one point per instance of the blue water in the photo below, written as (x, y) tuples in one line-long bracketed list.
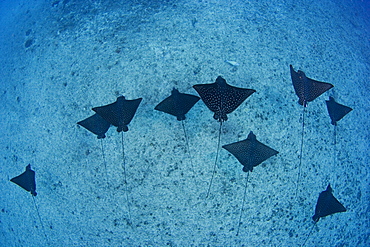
[(60, 58)]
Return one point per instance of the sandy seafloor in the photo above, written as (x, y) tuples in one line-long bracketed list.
[(86, 53)]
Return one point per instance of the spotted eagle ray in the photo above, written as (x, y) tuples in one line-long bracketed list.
[(326, 205), (250, 153), (27, 181), (120, 113), (178, 104), (222, 99), (307, 90)]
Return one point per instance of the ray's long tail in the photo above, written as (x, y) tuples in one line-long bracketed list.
[(241, 210), (42, 224), (125, 178), (214, 166), (300, 152)]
